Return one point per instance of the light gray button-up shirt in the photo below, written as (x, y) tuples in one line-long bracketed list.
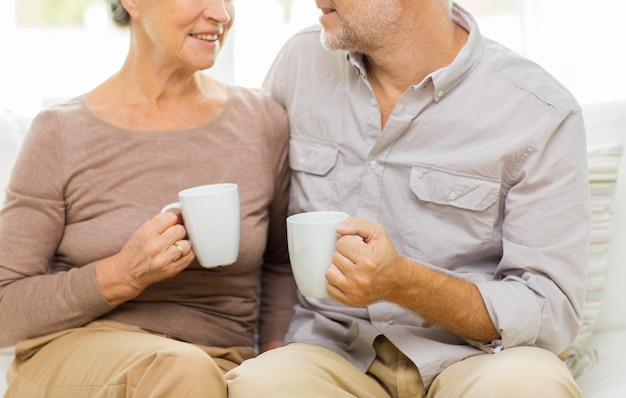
[(480, 172)]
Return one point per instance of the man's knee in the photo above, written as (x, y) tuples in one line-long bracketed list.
[(301, 370), (515, 372), (258, 377)]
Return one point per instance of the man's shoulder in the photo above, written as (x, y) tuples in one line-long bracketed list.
[(310, 31), (307, 41), (527, 75), (304, 54)]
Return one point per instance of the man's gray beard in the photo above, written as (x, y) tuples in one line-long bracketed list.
[(330, 42), (340, 42), (362, 36)]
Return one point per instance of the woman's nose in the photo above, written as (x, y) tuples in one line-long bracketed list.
[(217, 10)]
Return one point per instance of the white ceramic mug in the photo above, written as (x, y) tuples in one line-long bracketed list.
[(212, 220), (312, 241)]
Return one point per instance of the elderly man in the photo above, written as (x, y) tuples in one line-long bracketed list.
[(462, 273)]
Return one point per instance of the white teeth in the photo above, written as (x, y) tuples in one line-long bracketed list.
[(205, 36)]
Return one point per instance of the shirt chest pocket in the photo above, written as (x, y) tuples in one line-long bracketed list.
[(312, 163), (312, 157), (447, 188), (451, 210)]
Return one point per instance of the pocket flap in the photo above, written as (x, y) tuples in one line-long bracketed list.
[(435, 185), (312, 157)]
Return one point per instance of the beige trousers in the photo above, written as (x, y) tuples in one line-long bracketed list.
[(110, 359), (302, 370)]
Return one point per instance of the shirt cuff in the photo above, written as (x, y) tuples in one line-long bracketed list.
[(515, 312)]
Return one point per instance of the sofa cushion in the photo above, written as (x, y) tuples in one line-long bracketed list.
[(6, 357), (12, 130), (606, 379), (604, 164), (605, 122)]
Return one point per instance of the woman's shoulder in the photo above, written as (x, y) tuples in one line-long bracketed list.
[(65, 110), (256, 101), (71, 105), (62, 123), (256, 108)]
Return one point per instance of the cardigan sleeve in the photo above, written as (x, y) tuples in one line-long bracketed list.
[(33, 301), (278, 290)]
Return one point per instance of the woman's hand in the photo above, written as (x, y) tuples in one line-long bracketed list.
[(156, 251)]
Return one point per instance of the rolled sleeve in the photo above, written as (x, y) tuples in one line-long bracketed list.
[(514, 310), (537, 292)]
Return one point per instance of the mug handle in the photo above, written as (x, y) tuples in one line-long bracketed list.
[(174, 206), (171, 206)]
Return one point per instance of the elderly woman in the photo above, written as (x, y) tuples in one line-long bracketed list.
[(99, 291)]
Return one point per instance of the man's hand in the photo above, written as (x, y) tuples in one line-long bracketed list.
[(366, 266)]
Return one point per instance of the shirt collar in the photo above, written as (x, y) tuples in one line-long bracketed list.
[(356, 59), (449, 76)]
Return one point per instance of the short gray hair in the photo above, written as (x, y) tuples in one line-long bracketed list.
[(118, 13)]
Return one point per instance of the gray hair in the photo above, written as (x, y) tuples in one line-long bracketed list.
[(118, 13)]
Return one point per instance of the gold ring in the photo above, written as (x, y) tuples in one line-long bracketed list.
[(180, 251)]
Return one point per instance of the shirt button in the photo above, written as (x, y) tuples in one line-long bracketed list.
[(373, 102), (439, 93), (373, 164), (452, 195)]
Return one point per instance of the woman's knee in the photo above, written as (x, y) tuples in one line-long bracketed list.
[(180, 358), (182, 369)]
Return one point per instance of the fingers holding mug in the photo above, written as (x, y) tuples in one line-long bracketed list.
[(212, 221), (179, 251)]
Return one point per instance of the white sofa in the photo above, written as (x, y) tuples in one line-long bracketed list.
[(606, 123)]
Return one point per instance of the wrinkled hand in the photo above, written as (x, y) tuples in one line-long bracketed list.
[(366, 266), (149, 256)]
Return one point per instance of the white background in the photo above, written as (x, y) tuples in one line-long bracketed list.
[(581, 42)]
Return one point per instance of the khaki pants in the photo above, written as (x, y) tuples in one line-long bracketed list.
[(110, 359), (302, 370)]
